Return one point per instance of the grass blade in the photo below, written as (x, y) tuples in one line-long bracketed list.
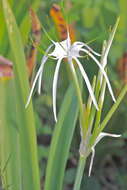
[(10, 162), (30, 170)]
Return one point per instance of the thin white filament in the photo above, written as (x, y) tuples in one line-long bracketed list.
[(33, 86), (44, 59)]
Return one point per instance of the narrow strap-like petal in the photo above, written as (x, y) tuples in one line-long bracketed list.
[(100, 136), (109, 42), (87, 82), (103, 71), (103, 134), (91, 161), (40, 76), (44, 59), (55, 79), (88, 47), (33, 86)]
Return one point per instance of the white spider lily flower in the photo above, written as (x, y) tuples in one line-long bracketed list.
[(70, 51), (100, 136)]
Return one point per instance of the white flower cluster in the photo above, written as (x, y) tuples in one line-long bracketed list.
[(72, 52)]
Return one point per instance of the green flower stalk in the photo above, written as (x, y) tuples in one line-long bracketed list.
[(94, 130)]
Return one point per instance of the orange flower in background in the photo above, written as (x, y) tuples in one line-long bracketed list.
[(61, 24), (36, 33), (122, 68)]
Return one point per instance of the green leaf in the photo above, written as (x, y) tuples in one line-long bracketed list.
[(61, 141), (10, 161), (27, 135)]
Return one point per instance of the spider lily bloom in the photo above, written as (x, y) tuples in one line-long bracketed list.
[(100, 136), (71, 52)]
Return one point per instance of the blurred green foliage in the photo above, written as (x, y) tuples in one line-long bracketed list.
[(93, 20)]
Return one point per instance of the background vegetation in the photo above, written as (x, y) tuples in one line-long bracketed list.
[(92, 22)]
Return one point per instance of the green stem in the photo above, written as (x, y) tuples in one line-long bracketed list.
[(100, 105), (78, 91), (79, 175), (98, 87), (89, 104)]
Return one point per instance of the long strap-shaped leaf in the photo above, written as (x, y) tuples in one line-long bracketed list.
[(61, 141), (9, 139), (27, 137)]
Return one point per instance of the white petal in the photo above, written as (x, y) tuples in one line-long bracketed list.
[(100, 136), (103, 71), (109, 43), (103, 134), (55, 87), (87, 82), (104, 62), (44, 59), (85, 45), (59, 50), (91, 161), (75, 50), (33, 86)]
